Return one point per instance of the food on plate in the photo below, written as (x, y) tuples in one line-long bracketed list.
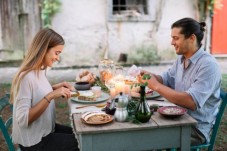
[(86, 76), (130, 82), (87, 96), (75, 94), (96, 117), (172, 110)]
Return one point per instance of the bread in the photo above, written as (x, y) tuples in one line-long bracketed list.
[(74, 94), (87, 96), (85, 76), (130, 82)]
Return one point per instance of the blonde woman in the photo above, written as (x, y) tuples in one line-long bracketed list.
[(34, 126)]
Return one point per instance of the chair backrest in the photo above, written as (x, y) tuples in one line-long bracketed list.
[(4, 126), (218, 119)]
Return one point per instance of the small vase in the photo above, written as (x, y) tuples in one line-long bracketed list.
[(143, 112)]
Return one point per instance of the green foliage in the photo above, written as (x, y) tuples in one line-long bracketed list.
[(49, 9), (144, 54), (99, 83), (144, 77)]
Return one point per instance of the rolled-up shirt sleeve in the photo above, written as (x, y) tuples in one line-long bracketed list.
[(23, 102)]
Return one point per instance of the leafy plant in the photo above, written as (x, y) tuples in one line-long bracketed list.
[(49, 9), (144, 77), (144, 54), (99, 83)]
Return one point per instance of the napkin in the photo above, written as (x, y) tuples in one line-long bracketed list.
[(134, 71)]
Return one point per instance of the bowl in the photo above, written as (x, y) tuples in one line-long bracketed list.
[(82, 86)]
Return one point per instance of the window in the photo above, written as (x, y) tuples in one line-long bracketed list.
[(131, 10)]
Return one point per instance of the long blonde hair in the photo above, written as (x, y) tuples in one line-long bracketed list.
[(42, 42)]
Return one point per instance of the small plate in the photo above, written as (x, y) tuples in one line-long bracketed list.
[(172, 111), (96, 118), (102, 98), (148, 96)]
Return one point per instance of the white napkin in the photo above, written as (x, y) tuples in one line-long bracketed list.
[(134, 71), (73, 106)]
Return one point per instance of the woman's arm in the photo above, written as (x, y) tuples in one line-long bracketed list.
[(36, 111), (63, 84)]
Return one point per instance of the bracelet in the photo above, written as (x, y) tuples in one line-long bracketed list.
[(46, 99)]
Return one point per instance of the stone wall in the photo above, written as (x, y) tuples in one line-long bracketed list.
[(89, 34)]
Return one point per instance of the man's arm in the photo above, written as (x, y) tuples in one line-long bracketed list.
[(176, 97), (179, 98)]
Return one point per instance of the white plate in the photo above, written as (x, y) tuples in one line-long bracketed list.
[(102, 98)]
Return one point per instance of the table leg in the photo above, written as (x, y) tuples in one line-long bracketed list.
[(186, 138)]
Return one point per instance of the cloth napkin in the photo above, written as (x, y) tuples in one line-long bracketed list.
[(73, 105), (134, 71)]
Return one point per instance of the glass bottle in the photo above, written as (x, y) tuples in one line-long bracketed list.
[(143, 112)]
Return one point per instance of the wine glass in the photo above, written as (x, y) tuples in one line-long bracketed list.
[(111, 86)]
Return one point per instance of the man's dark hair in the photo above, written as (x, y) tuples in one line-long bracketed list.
[(190, 26)]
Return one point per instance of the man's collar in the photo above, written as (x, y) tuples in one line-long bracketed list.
[(194, 58)]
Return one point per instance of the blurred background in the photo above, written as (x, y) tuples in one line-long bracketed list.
[(138, 30)]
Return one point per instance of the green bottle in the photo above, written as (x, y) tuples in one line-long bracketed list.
[(143, 112)]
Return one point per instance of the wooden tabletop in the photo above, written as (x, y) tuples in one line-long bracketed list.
[(156, 120)]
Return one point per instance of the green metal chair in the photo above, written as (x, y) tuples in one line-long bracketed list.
[(4, 126), (210, 145)]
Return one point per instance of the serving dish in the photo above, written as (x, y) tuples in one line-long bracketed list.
[(96, 118), (172, 111), (82, 86)]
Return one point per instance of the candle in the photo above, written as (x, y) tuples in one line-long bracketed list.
[(120, 87), (128, 90), (112, 93)]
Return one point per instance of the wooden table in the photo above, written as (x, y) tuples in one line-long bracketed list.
[(158, 133)]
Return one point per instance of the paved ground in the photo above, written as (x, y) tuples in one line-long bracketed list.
[(6, 74)]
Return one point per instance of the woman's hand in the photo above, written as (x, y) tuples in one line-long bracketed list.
[(60, 92), (63, 84)]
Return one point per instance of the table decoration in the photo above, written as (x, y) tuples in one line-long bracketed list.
[(143, 112)]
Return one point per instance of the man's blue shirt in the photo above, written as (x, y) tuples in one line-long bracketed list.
[(202, 80)]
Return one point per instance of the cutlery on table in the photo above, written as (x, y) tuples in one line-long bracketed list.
[(96, 105)]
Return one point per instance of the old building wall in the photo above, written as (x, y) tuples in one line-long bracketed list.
[(89, 34), (19, 21)]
